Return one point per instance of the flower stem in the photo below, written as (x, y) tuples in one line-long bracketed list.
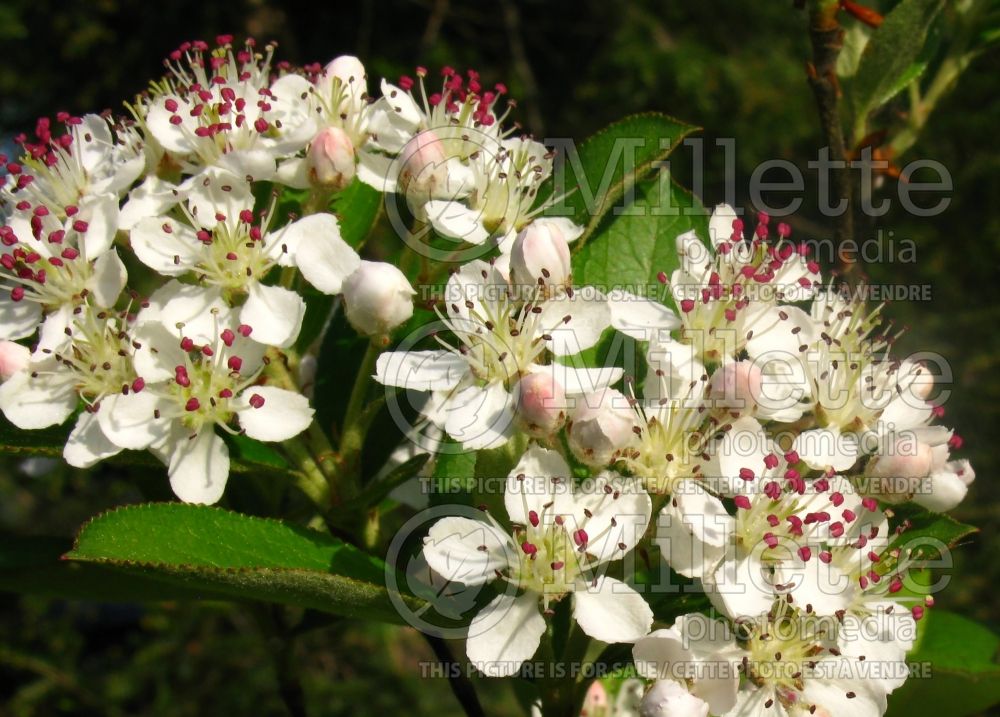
[(356, 419)]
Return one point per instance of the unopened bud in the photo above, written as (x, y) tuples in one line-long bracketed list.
[(424, 170), (895, 474), (668, 698), (541, 404), (377, 298), (736, 385), (331, 159), (540, 255), (13, 357), (600, 425)]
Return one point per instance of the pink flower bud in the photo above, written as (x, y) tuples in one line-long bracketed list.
[(896, 472), (424, 165), (541, 404), (599, 426), (377, 298), (13, 357), (736, 385), (540, 255), (331, 159)]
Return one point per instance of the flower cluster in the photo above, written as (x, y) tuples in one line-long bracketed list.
[(759, 444), (192, 193), (771, 431)]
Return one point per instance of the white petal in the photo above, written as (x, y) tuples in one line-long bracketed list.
[(101, 215), (948, 487), (740, 587), (18, 318), (530, 485), (217, 191), (92, 141), (188, 310), (274, 313), (612, 611), (420, 370), (668, 698), (199, 467), (640, 318), (505, 634), (293, 173), (324, 259), (108, 280), (704, 513), (87, 443), (453, 550), (679, 547), (173, 138), (620, 510), (480, 417), (130, 421), (720, 226), (165, 245), (779, 336), (52, 336), (589, 316), (283, 415), (377, 171), (823, 448), (154, 197), (457, 221), (32, 403)]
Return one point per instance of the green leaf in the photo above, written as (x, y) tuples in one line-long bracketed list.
[(927, 531), (963, 676), (238, 556), (890, 55), (357, 207), (631, 249), (612, 161), (34, 566)]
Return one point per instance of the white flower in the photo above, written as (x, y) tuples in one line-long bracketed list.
[(69, 171), (50, 266), (695, 664), (221, 109), (798, 664), (780, 520), (500, 340), (94, 365), (198, 376), (562, 536), (498, 197), (377, 298), (230, 250), (729, 294)]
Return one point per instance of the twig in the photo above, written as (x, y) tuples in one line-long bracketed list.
[(461, 686), (827, 39)]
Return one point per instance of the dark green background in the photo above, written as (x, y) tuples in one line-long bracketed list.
[(734, 67)]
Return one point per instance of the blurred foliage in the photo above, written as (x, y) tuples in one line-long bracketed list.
[(734, 68)]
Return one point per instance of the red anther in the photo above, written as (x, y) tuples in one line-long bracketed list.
[(228, 337), (243, 330), (742, 501), (805, 553), (235, 363), (529, 548), (580, 537), (138, 385), (256, 400), (687, 305), (747, 474), (187, 343), (192, 404), (533, 518)]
